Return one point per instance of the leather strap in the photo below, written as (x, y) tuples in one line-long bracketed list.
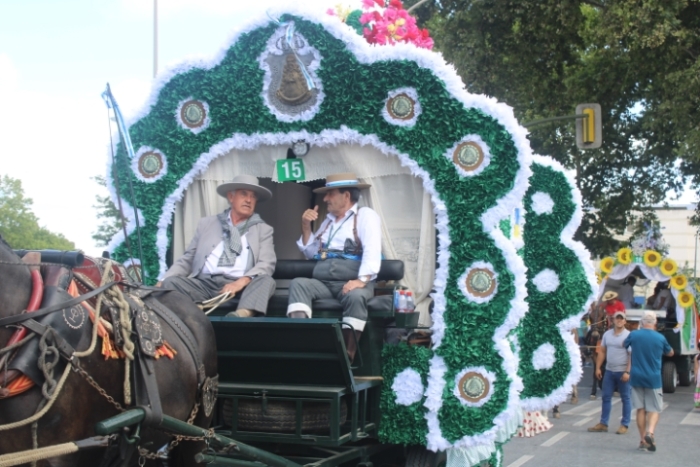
[(53, 308), (180, 329)]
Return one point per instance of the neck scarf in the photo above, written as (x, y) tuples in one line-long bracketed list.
[(232, 237)]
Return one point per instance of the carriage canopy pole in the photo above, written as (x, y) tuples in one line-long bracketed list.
[(173, 425), (126, 140)]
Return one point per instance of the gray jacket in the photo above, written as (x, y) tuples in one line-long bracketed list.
[(208, 236)]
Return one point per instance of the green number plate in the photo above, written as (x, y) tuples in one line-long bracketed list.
[(290, 170)]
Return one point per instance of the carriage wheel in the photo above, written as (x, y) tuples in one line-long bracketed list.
[(668, 376)]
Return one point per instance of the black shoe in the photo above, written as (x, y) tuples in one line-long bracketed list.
[(649, 439)]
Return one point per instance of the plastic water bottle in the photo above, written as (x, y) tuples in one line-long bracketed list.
[(401, 308), (410, 305)]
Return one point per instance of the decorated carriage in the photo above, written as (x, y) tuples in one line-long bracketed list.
[(479, 228), (678, 318)]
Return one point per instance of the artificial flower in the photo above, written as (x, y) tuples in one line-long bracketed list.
[(624, 256), (607, 265), (392, 24), (679, 282), (685, 299), (668, 267), (652, 258)]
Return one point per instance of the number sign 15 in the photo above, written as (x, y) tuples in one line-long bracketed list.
[(290, 170)]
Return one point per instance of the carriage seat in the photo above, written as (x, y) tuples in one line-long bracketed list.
[(288, 269)]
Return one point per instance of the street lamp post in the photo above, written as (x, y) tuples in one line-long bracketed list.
[(155, 38)]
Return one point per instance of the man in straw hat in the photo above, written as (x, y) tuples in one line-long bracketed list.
[(230, 252), (612, 305), (648, 346), (348, 247)]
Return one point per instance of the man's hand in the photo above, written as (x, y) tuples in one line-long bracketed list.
[(625, 377), (598, 373), (236, 286), (309, 216), (353, 284)]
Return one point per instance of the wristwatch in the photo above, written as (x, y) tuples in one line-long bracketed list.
[(364, 279)]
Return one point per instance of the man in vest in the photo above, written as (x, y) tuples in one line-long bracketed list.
[(348, 248), (230, 252)]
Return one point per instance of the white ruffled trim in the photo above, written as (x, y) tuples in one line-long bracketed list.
[(132, 262), (417, 109), (137, 159), (462, 282), (559, 395), (408, 387), (542, 203), (463, 456), (488, 375), (546, 281), (484, 148), (544, 357), (183, 125)]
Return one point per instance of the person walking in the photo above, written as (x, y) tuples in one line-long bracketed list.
[(616, 375), (648, 346)]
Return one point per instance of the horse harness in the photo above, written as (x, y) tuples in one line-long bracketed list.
[(67, 328)]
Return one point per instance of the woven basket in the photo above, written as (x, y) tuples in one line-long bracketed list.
[(280, 416)]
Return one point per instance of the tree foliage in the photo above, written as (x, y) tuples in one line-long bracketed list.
[(18, 224), (639, 59), (107, 213)]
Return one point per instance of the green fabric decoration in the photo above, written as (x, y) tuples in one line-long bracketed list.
[(402, 424)]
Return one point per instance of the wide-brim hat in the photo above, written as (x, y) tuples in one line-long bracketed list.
[(343, 180), (245, 182), (609, 295)]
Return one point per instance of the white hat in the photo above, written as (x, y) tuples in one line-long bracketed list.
[(245, 182)]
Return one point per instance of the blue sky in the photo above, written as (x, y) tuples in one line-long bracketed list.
[(55, 60)]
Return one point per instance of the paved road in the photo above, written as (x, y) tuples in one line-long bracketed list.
[(568, 443)]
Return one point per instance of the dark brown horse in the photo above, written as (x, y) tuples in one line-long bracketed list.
[(79, 406)]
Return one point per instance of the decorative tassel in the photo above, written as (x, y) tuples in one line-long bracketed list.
[(165, 350)]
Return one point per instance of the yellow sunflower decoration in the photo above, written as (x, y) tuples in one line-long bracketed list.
[(652, 258), (607, 265), (679, 282), (624, 256), (686, 299), (668, 267)]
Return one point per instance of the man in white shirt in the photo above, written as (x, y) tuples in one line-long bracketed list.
[(230, 252), (348, 248)]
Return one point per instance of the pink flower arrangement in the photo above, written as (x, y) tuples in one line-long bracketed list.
[(387, 22)]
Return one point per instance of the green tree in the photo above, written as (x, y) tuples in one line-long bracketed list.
[(638, 58), (108, 214), (18, 224)]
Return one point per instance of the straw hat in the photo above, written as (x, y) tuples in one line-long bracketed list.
[(343, 180), (609, 295), (245, 182)]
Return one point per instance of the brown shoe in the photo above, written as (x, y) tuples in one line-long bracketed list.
[(599, 428), (622, 430)]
